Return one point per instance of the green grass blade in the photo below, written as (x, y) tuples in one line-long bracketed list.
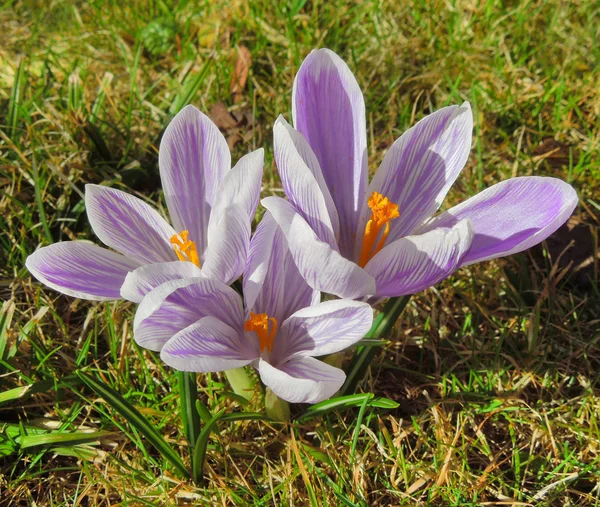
[(190, 88), (203, 411), (15, 99), (345, 402), (132, 415), (188, 394), (60, 438), (14, 394)]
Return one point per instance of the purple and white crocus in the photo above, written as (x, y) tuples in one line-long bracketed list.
[(355, 239), (202, 325), (210, 204)]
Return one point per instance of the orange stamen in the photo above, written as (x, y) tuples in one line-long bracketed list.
[(259, 323), (383, 212), (184, 248)]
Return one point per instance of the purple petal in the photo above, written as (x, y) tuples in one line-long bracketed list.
[(240, 186), (302, 379), (271, 272), (208, 345), (140, 282), (175, 305), (412, 264), (193, 159), (329, 109), (228, 244), (81, 269), (320, 265), (420, 167), (323, 329), (303, 182), (129, 225), (512, 216)]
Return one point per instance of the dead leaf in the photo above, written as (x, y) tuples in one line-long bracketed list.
[(240, 73), (221, 117)]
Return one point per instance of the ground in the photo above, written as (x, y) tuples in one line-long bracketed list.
[(495, 370)]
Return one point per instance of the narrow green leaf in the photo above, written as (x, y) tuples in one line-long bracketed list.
[(203, 411), (61, 438), (345, 402), (200, 450), (191, 85), (359, 419), (14, 394), (139, 422), (188, 394), (14, 102)]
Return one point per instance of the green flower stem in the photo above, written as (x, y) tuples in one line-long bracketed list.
[(276, 408), (241, 383), (188, 394), (382, 325)]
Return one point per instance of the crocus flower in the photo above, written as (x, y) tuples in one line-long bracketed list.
[(202, 325), (211, 208), (355, 239)]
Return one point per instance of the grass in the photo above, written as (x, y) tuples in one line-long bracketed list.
[(495, 369)]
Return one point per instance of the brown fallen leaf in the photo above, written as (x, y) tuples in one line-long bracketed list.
[(222, 117), (240, 73)]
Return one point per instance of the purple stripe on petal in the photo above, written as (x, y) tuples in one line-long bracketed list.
[(193, 159), (272, 282), (209, 345), (81, 269), (129, 225), (512, 215), (420, 167), (302, 379), (412, 264), (140, 282), (240, 186), (175, 305), (323, 329), (228, 243), (303, 182), (320, 265), (329, 110)]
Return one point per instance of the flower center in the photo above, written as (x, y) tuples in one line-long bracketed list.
[(383, 212), (259, 323), (184, 248)]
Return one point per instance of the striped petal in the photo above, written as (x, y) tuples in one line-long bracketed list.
[(128, 225), (329, 110), (174, 305), (512, 215), (140, 282), (228, 243), (303, 182), (193, 159), (302, 379), (82, 270), (321, 266), (421, 166), (412, 264), (209, 345), (270, 272), (240, 186), (323, 329)]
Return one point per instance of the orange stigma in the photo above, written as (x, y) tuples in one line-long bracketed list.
[(259, 323), (184, 248), (383, 212)]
